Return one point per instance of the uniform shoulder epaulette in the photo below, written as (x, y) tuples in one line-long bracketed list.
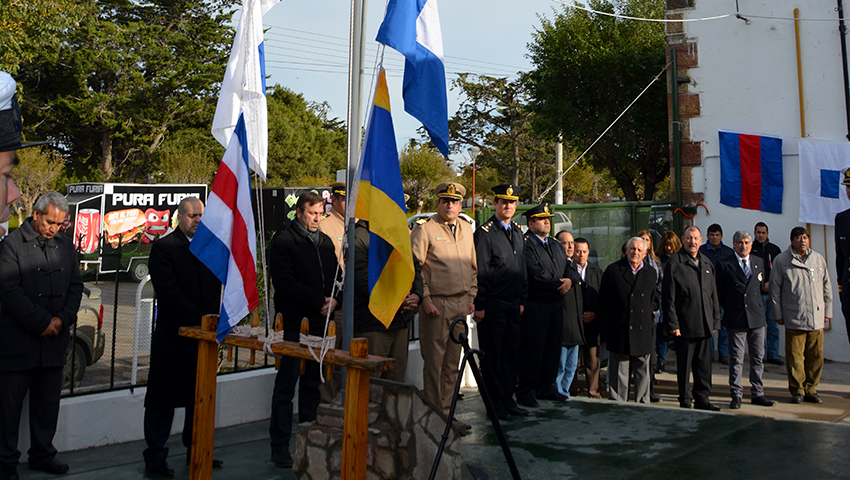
[(516, 224), (422, 220), (326, 215), (486, 226), (468, 220)]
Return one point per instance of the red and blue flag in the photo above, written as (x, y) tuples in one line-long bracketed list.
[(751, 171)]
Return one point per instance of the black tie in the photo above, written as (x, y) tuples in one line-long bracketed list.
[(548, 248), (452, 227)]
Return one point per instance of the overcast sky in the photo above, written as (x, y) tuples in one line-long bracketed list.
[(307, 48)]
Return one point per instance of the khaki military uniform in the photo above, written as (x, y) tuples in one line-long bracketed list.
[(450, 277), (332, 224)]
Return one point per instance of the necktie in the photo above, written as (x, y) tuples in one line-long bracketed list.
[(452, 227), (747, 271), (548, 248)]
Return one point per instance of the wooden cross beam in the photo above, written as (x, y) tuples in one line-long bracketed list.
[(356, 414)]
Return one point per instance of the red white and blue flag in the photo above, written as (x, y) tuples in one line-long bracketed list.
[(751, 171), (225, 240)]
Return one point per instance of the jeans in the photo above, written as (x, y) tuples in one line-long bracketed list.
[(771, 340), (567, 369)]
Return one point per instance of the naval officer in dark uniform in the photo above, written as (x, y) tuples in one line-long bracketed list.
[(842, 255), (549, 278), (499, 304)]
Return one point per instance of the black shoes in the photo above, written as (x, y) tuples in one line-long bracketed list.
[(530, 403), (797, 398), (161, 468), (9, 472), (774, 361), (708, 406), (724, 360), (659, 368), (735, 404), (51, 466), (653, 398), (517, 412), (763, 401), (813, 398), (282, 460)]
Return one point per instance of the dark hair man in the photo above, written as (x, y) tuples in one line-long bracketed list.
[(801, 298), (186, 290), (591, 280), (303, 267), (691, 312), (767, 251), (502, 288), (716, 251)]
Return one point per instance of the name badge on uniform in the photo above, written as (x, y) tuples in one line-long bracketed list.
[(440, 239)]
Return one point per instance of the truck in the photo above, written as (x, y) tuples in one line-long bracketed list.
[(113, 225)]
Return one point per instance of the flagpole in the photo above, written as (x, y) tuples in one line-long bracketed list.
[(355, 115)]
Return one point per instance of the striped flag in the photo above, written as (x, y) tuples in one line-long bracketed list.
[(225, 240), (412, 27), (380, 201), (751, 171)]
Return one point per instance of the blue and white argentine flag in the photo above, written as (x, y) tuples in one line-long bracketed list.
[(413, 28)]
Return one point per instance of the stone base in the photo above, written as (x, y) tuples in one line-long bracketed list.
[(405, 430)]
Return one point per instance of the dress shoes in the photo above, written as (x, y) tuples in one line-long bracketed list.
[(708, 406), (763, 401), (653, 398), (50, 466), (9, 472), (555, 397), (735, 404), (813, 398), (774, 361), (502, 414), (161, 468), (530, 403), (216, 462), (685, 404), (282, 460), (797, 398), (517, 412), (724, 360)]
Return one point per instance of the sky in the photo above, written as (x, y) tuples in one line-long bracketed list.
[(307, 42)]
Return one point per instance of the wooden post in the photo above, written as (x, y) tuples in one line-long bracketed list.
[(356, 419), (331, 333), (203, 424)]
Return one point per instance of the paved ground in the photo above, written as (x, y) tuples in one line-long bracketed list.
[(587, 439)]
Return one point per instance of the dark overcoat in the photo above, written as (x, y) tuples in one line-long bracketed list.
[(627, 318), (501, 264), (590, 299), (186, 290), (741, 297), (303, 276), (689, 296), (37, 282)]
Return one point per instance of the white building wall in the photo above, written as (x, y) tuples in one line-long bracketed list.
[(746, 79)]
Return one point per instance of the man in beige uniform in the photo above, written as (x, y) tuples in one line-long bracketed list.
[(444, 246), (332, 224)]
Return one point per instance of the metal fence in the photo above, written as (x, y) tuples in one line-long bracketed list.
[(110, 349)]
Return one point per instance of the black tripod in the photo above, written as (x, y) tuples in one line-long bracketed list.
[(468, 355)]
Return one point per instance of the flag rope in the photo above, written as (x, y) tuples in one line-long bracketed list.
[(654, 79)]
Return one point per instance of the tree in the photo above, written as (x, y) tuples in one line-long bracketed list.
[(304, 145), (188, 156), (124, 78), (492, 116), (588, 68), (35, 175), (422, 169)]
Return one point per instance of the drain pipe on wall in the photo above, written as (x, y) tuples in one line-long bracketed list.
[(842, 32)]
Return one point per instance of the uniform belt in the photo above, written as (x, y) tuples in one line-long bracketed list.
[(456, 295)]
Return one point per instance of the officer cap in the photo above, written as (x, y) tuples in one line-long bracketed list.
[(539, 211), (10, 117), (507, 191), (846, 180), (451, 190), (338, 188)]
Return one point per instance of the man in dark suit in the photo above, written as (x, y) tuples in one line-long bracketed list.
[(303, 267), (628, 287), (40, 291), (842, 255), (767, 251), (542, 322), (716, 251), (186, 290), (591, 280), (502, 288), (692, 314), (739, 285)]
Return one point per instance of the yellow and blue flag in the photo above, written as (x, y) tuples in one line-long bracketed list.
[(380, 201)]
